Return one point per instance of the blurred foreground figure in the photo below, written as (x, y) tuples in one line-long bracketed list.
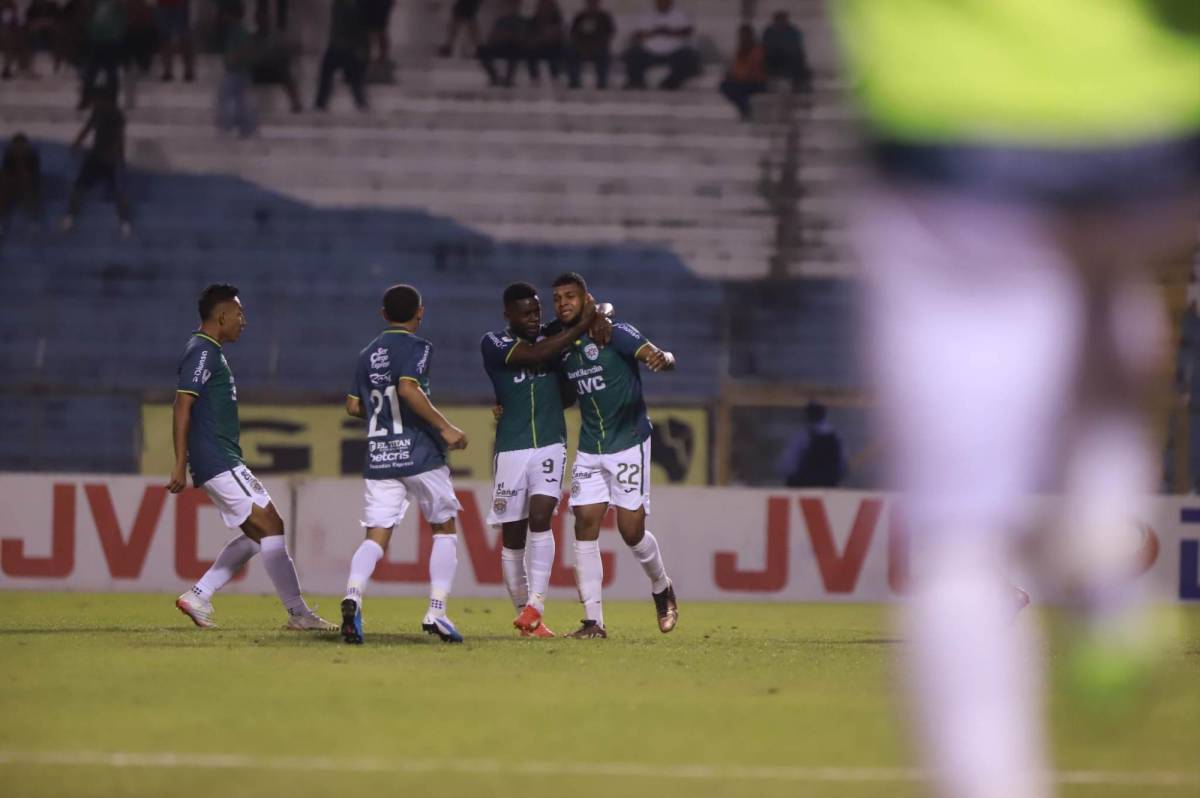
[(1033, 164)]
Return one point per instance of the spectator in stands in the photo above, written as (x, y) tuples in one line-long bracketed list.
[(346, 51), (547, 39), (663, 37), (814, 459), (462, 16), (72, 33), (272, 64), (233, 109), (141, 34), (509, 41), (262, 16), (105, 47), (175, 32), (41, 28), (20, 181), (105, 161), (592, 33), (784, 54), (377, 15), (747, 75), (14, 51)]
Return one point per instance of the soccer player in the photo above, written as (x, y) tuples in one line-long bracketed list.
[(613, 461), (1009, 240), (206, 436), (531, 445), (407, 439)]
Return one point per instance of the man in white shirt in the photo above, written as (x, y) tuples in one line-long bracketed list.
[(663, 37)]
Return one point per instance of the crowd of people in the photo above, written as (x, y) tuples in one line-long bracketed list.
[(102, 40), (663, 37)]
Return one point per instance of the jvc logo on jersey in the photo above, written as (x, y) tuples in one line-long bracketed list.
[(380, 359), (591, 384)]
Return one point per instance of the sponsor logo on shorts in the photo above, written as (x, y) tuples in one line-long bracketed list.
[(500, 505), (380, 359), (253, 482), (591, 352), (505, 493)]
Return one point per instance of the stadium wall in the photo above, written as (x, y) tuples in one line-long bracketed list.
[(123, 533)]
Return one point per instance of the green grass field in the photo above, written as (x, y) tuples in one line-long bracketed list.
[(120, 695)]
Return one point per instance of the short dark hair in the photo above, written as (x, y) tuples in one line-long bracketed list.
[(400, 303), (569, 278), (815, 412), (214, 295), (518, 291)]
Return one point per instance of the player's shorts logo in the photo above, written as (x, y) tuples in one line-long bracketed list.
[(591, 352), (500, 505), (575, 490)]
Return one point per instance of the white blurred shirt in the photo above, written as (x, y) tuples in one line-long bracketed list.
[(664, 45)]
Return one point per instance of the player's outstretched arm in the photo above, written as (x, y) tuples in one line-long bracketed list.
[(412, 395), (181, 419), (655, 358), (524, 353), (354, 407)]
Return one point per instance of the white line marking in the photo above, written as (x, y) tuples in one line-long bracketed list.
[(127, 759)]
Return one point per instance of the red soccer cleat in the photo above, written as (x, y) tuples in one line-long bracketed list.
[(530, 623)]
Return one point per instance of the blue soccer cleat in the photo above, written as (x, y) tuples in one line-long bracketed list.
[(352, 622), (440, 625)]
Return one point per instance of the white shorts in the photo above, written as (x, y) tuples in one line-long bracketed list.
[(386, 500), (235, 492), (621, 478), (523, 474)]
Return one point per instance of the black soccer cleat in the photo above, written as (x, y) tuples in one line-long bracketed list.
[(589, 630), (351, 622), (667, 609)]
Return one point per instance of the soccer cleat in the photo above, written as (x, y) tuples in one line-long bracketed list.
[(440, 625), (529, 621), (196, 608), (309, 622), (667, 609), (352, 622), (541, 630), (589, 629)]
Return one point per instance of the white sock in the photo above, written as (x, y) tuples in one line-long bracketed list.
[(361, 567), (589, 576), (541, 562), (282, 570), (443, 561), (975, 677), (650, 557), (512, 563), (236, 553)]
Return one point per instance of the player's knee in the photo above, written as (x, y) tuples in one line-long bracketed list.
[(540, 520)]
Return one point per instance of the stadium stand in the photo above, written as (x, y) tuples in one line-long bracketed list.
[(445, 183)]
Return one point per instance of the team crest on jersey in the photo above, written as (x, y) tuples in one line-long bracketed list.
[(591, 352), (500, 505), (380, 359)]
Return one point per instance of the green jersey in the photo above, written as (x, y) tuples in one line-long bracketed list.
[(608, 383), (213, 434), (530, 396)]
